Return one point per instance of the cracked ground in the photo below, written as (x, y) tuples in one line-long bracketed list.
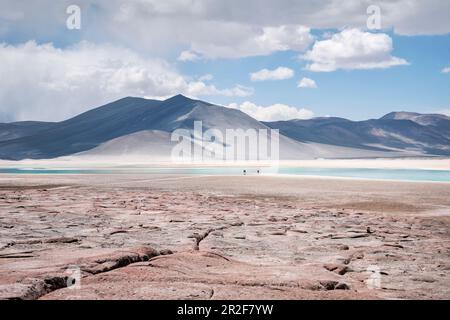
[(202, 237)]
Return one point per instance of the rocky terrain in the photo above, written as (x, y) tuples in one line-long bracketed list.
[(184, 237)]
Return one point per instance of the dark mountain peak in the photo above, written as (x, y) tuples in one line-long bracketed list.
[(128, 99), (179, 98), (180, 105)]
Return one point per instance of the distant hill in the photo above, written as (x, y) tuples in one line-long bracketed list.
[(438, 121), (141, 128), (426, 134)]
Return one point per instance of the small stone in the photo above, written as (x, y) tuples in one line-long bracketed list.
[(329, 284), (424, 279), (330, 267), (117, 231), (444, 266), (339, 269), (278, 233), (165, 252), (342, 286), (62, 240), (342, 270), (298, 231)]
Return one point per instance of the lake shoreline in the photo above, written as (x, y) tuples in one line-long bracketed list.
[(381, 163), (437, 170)]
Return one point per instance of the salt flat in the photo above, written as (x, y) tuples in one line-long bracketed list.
[(223, 237), (138, 162)]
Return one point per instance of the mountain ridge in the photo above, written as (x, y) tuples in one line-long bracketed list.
[(394, 134)]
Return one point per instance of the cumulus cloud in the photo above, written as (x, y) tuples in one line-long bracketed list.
[(275, 112), (199, 88), (416, 17), (181, 22), (41, 82), (238, 40), (280, 73), (446, 70), (406, 17), (188, 56), (352, 49), (307, 83), (214, 28), (206, 77)]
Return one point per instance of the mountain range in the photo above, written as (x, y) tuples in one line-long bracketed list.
[(142, 127)]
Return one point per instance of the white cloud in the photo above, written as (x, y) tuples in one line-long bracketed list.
[(307, 83), (280, 73), (416, 17), (275, 112), (199, 88), (446, 70), (216, 28), (352, 49), (188, 56), (206, 77), (41, 82), (238, 40)]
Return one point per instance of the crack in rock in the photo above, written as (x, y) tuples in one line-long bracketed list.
[(119, 260), (200, 237), (34, 288)]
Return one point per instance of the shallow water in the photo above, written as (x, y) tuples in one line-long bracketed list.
[(383, 174)]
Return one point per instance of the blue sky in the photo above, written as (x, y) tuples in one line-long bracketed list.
[(355, 94), (156, 49)]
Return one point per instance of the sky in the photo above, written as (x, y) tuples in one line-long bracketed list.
[(275, 60)]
